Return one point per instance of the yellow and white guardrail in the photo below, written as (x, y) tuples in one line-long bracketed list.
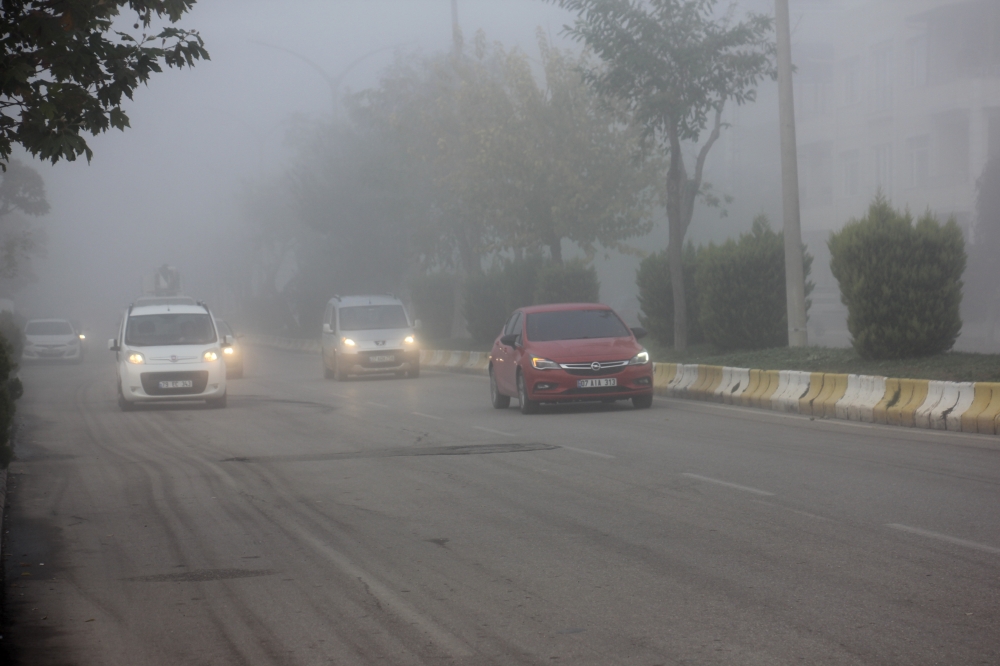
[(917, 403)]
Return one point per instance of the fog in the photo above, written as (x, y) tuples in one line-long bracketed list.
[(168, 190)]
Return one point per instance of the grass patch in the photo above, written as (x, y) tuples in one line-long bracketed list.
[(952, 366)]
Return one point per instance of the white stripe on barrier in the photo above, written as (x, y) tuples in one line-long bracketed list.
[(842, 407), (866, 406), (741, 379), (967, 393), (935, 392), (719, 394)]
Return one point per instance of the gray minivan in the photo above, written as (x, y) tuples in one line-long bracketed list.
[(369, 335)]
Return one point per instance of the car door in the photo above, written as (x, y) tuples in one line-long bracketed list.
[(504, 370)]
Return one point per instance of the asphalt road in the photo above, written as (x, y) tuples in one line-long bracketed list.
[(405, 521)]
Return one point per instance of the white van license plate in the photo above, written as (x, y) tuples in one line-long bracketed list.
[(385, 358), (182, 383), (596, 383)]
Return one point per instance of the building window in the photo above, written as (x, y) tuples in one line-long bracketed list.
[(882, 168), (881, 71), (852, 81), (950, 133), (916, 61), (918, 159), (816, 174), (851, 168)]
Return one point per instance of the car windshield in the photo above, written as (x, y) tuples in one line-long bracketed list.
[(172, 328), (371, 317), (48, 328), (575, 325)]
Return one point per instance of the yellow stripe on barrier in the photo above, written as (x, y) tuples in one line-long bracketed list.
[(815, 386), (763, 381), (983, 395), (697, 389), (663, 374), (918, 394), (714, 381), (774, 378), (747, 396), (889, 399), (986, 422)]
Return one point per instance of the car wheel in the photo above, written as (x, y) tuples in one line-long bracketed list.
[(642, 401), (327, 372), (527, 406), (499, 400), (217, 403), (124, 404), (339, 372), (413, 374)]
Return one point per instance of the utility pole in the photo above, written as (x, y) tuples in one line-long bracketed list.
[(795, 280), (456, 31)]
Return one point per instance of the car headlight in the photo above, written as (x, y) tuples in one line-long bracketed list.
[(82, 336), (211, 355), (543, 364), (228, 351), (409, 339), (135, 358), (642, 358), (348, 342)]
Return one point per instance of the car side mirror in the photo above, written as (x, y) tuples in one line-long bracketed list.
[(113, 345), (417, 324), (227, 340), (327, 329), (509, 340), (639, 332)]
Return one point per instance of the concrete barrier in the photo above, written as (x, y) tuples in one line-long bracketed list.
[(956, 406)]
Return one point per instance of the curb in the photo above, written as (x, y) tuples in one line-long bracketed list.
[(972, 407)]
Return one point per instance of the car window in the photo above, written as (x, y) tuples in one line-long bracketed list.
[(172, 328), (514, 325), (223, 327), (371, 317), (575, 325), (48, 328)]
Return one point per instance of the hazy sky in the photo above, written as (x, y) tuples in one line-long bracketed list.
[(166, 189)]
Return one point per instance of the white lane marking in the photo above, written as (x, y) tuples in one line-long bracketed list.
[(589, 453), (383, 595), (944, 537), (428, 416), (376, 404), (735, 486), (495, 432)]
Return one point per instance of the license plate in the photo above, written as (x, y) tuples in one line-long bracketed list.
[(181, 383), (385, 358), (596, 383)]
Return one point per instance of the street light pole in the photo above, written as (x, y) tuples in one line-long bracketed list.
[(795, 281)]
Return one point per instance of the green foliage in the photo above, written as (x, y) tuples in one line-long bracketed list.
[(22, 190), (656, 296), (569, 282), (741, 286), (433, 298), (11, 344), (67, 67), (901, 283), (490, 298)]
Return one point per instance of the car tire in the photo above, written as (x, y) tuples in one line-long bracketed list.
[(218, 403), (327, 372), (527, 406), (413, 374), (498, 399), (339, 372), (124, 404), (642, 401)]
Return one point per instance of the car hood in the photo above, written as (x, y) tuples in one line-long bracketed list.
[(50, 339), (594, 349), (389, 334)]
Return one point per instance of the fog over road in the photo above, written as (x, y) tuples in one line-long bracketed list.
[(408, 522)]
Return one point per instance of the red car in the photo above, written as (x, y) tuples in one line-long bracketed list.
[(569, 352)]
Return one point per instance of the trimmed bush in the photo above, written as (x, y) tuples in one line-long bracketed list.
[(569, 282), (656, 296), (484, 305), (433, 298), (741, 287), (11, 344), (901, 283)]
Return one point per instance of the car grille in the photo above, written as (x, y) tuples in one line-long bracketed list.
[(587, 369), (151, 382)]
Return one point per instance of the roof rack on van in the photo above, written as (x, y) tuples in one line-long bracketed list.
[(165, 300)]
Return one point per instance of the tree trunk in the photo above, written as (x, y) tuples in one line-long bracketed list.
[(676, 181), (555, 249)]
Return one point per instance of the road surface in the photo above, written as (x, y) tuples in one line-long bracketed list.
[(400, 521)]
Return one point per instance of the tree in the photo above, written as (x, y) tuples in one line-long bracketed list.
[(22, 192), (982, 294), (674, 65), (66, 67)]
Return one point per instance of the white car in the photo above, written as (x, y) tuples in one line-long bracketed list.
[(51, 340), (369, 335), (169, 349)]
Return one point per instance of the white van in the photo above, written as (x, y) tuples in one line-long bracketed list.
[(169, 349), (368, 335)]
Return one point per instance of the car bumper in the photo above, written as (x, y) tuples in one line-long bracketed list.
[(142, 383), (563, 386), (67, 354), (368, 363)]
